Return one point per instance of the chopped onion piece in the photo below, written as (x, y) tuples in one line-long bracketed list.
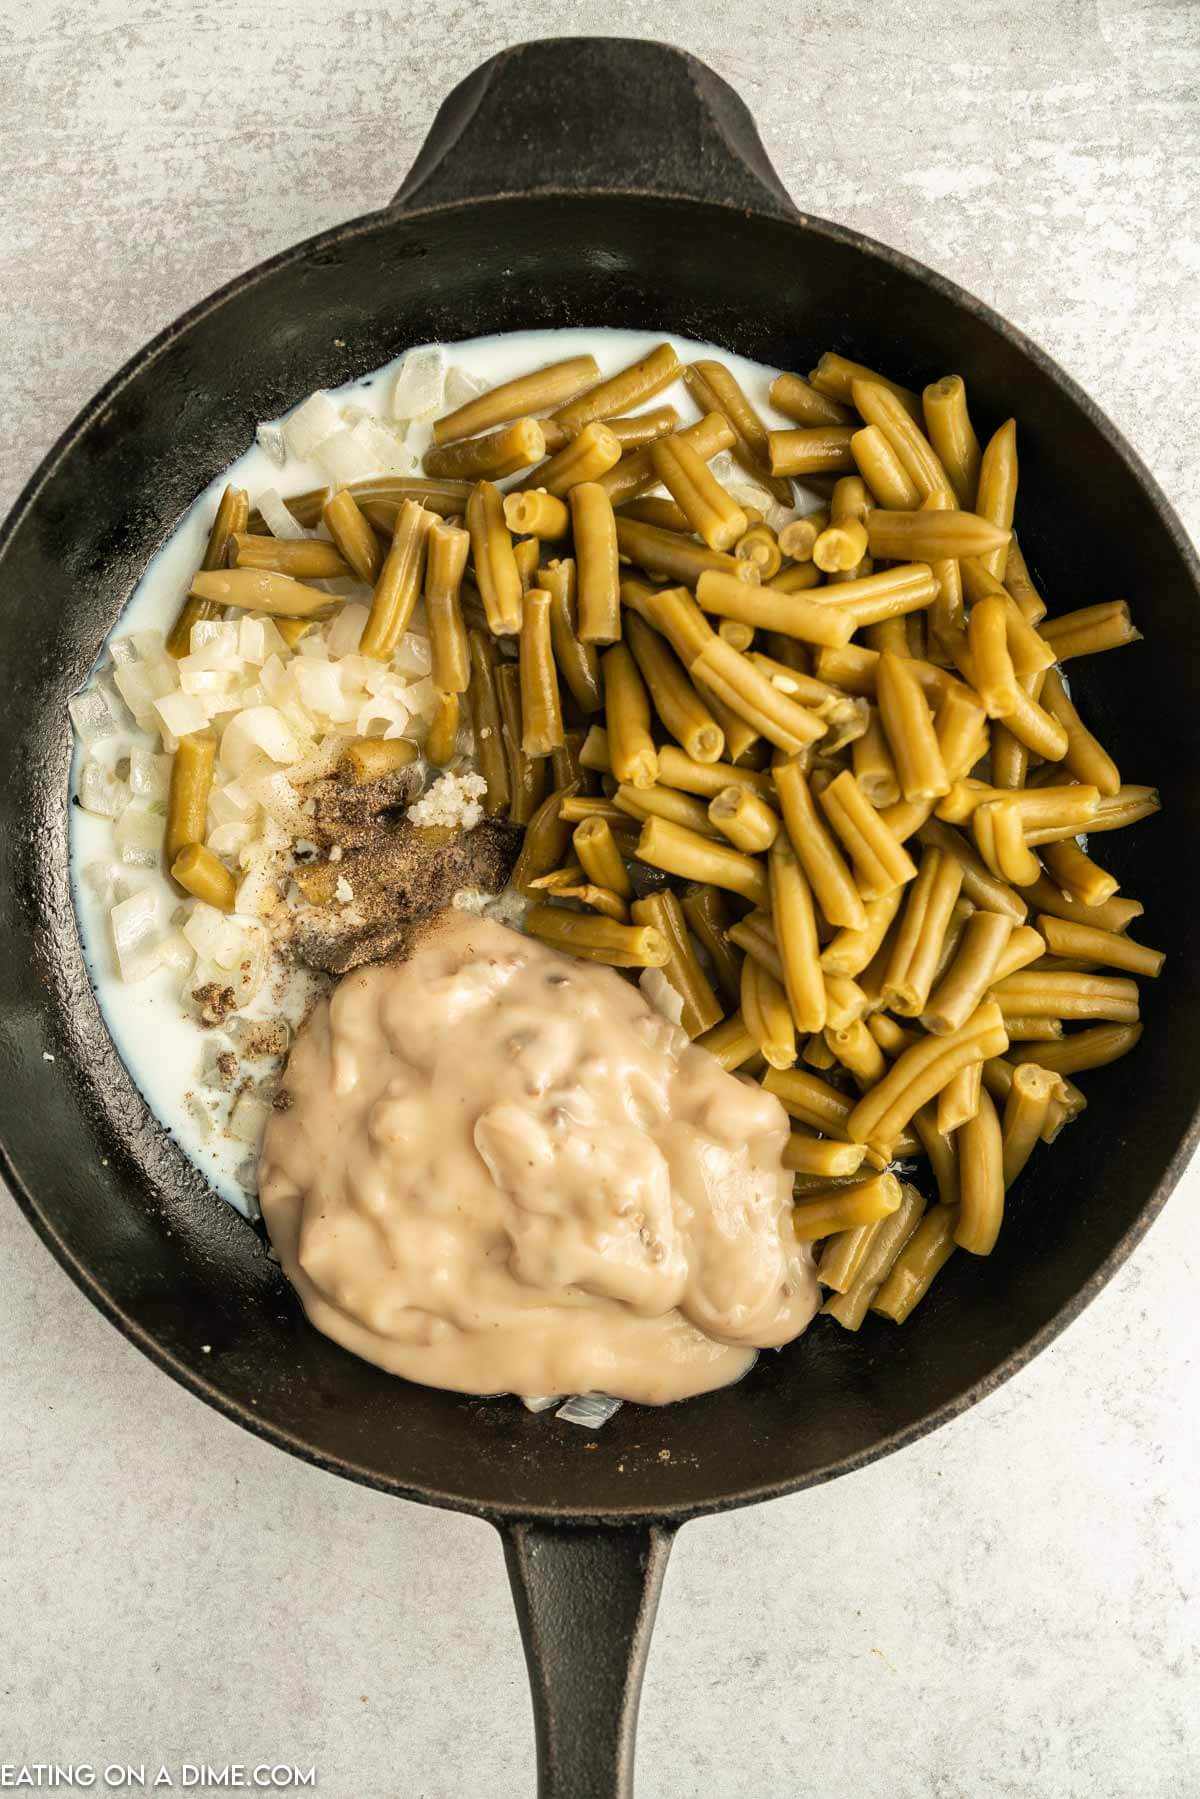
[(181, 713), (381, 718), (248, 1120), (314, 420), (101, 878), (257, 730), (257, 892), (659, 993), (122, 651), (386, 454), (540, 1402), (100, 792), (419, 383), (279, 520), (589, 1409), (270, 439), (203, 1112), (252, 640), (175, 953), (230, 839), (148, 644), (92, 716), (139, 837), (137, 930), (218, 1063), (412, 656), (345, 631), (150, 776), (344, 458), (462, 386), (215, 936)]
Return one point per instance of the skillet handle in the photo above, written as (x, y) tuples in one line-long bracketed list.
[(587, 113), (586, 1600)]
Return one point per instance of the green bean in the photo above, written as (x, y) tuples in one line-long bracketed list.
[(353, 535), (746, 820), (926, 536), (587, 457), (754, 935), (677, 769), (1094, 1048), (921, 934), (310, 557), (835, 376), (822, 862), (232, 516), (598, 575), (674, 698), (445, 563), (813, 1101), (526, 774), (198, 871), (767, 1015), (882, 470), (257, 590), (395, 597), (887, 1240), (536, 513), (627, 711), (795, 930), (844, 1208), (635, 476), (187, 795), (730, 1042), (546, 841), (960, 990), (880, 860), (486, 723), (597, 939), (620, 393), (379, 497), (709, 510), (551, 386), (682, 852), (997, 490), (920, 1073), (1090, 630), (496, 571), (664, 514), (541, 711), (881, 408), (701, 1007), (742, 687), (441, 739), (491, 458), (948, 426), (979, 885), (918, 1264), (566, 762), (1028, 1102), (601, 861), (641, 803), (704, 909), (578, 663), (371, 758), (811, 450), (806, 405), (714, 389), (669, 553), (812, 621)]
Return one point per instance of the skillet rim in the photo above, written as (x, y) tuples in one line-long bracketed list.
[(207, 1389)]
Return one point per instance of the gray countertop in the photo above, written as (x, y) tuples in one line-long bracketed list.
[(1007, 1608)]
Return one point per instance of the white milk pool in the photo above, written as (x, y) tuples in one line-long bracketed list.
[(168, 1053)]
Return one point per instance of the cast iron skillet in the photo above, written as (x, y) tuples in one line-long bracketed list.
[(526, 207)]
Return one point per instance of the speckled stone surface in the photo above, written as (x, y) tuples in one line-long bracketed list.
[(1009, 1608)]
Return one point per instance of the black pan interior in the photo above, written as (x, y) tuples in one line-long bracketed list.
[(113, 1194)]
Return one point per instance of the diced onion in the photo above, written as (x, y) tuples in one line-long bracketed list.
[(92, 716), (271, 440), (259, 730), (314, 420), (589, 1409), (345, 458), (137, 929), (345, 632), (181, 713), (419, 384), (100, 792), (462, 386), (383, 449), (279, 520), (139, 837)]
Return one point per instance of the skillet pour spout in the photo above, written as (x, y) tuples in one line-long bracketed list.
[(568, 182)]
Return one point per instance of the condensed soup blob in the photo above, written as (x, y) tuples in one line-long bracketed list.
[(499, 1170)]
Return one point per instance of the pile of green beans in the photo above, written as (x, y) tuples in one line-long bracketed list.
[(828, 778)]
